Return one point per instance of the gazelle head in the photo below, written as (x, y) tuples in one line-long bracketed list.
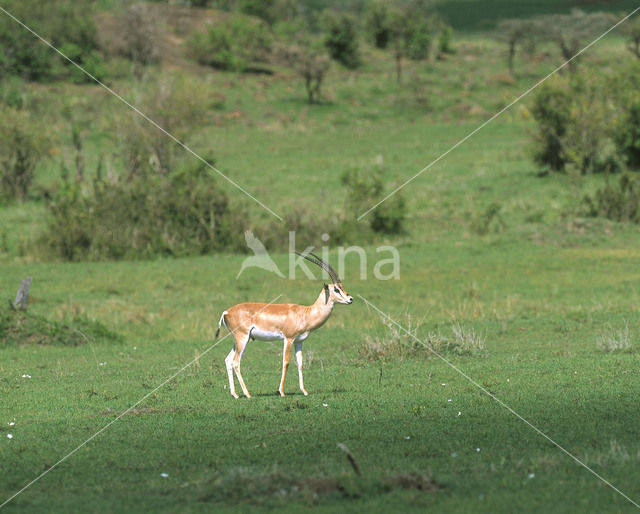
[(335, 291)]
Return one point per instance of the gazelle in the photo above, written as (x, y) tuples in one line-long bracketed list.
[(289, 322)]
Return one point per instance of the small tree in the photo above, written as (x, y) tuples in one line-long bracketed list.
[(311, 64), (411, 33), (571, 32), (341, 39), (516, 33)]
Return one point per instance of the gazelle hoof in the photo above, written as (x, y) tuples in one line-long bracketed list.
[(305, 392), (235, 395)]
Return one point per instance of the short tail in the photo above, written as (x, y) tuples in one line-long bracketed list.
[(220, 323)]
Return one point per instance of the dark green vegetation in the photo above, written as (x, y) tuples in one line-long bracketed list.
[(523, 275)]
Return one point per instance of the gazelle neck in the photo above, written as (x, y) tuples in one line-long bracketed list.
[(319, 311)]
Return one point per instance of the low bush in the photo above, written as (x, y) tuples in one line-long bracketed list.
[(179, 214), (589, 122), (231, 46), (628, 135), (617, 201), (364, 190)]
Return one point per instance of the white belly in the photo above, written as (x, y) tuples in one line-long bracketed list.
[(301, 337), (265, 335)]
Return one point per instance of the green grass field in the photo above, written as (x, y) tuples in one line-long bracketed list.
[(540, 287)]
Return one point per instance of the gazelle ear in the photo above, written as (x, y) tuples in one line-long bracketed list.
[(326, 293)]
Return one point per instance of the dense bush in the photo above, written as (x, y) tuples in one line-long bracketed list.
[(578, 122), (618, 201), (62, 23), (180, 214), (21, 147), (366, 189), (341, 38), (232, 46), (552, 110), (628, 135)]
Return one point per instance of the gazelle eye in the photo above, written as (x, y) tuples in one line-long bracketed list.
[(336, 290)]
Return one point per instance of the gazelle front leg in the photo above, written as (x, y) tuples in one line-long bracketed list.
[(299, 362), (286, 354)]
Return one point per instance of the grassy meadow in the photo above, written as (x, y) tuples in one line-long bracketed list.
[(538, 289)]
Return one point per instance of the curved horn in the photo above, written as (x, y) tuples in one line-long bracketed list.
[(319, 262)]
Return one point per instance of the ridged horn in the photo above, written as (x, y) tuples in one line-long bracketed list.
[(319, 262)]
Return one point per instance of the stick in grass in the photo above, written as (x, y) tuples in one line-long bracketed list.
[(352, 459)]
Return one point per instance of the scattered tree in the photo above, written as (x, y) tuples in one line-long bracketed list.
[(311, 63), (516, 33), (407, 27), (572, 32)]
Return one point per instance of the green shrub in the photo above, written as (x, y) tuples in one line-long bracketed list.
[(577, 123), (628, 135), (552, 111), (378, 23), (417, 35), (366, 189), (618, 201), (232, 45), (444, 39), (90, 62), (341, 38), (61, 22), (180, 214), (21, 148)]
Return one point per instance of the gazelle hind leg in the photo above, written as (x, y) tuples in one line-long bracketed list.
[(299, 362), (241, 343), (286, 354), (229, 364)]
